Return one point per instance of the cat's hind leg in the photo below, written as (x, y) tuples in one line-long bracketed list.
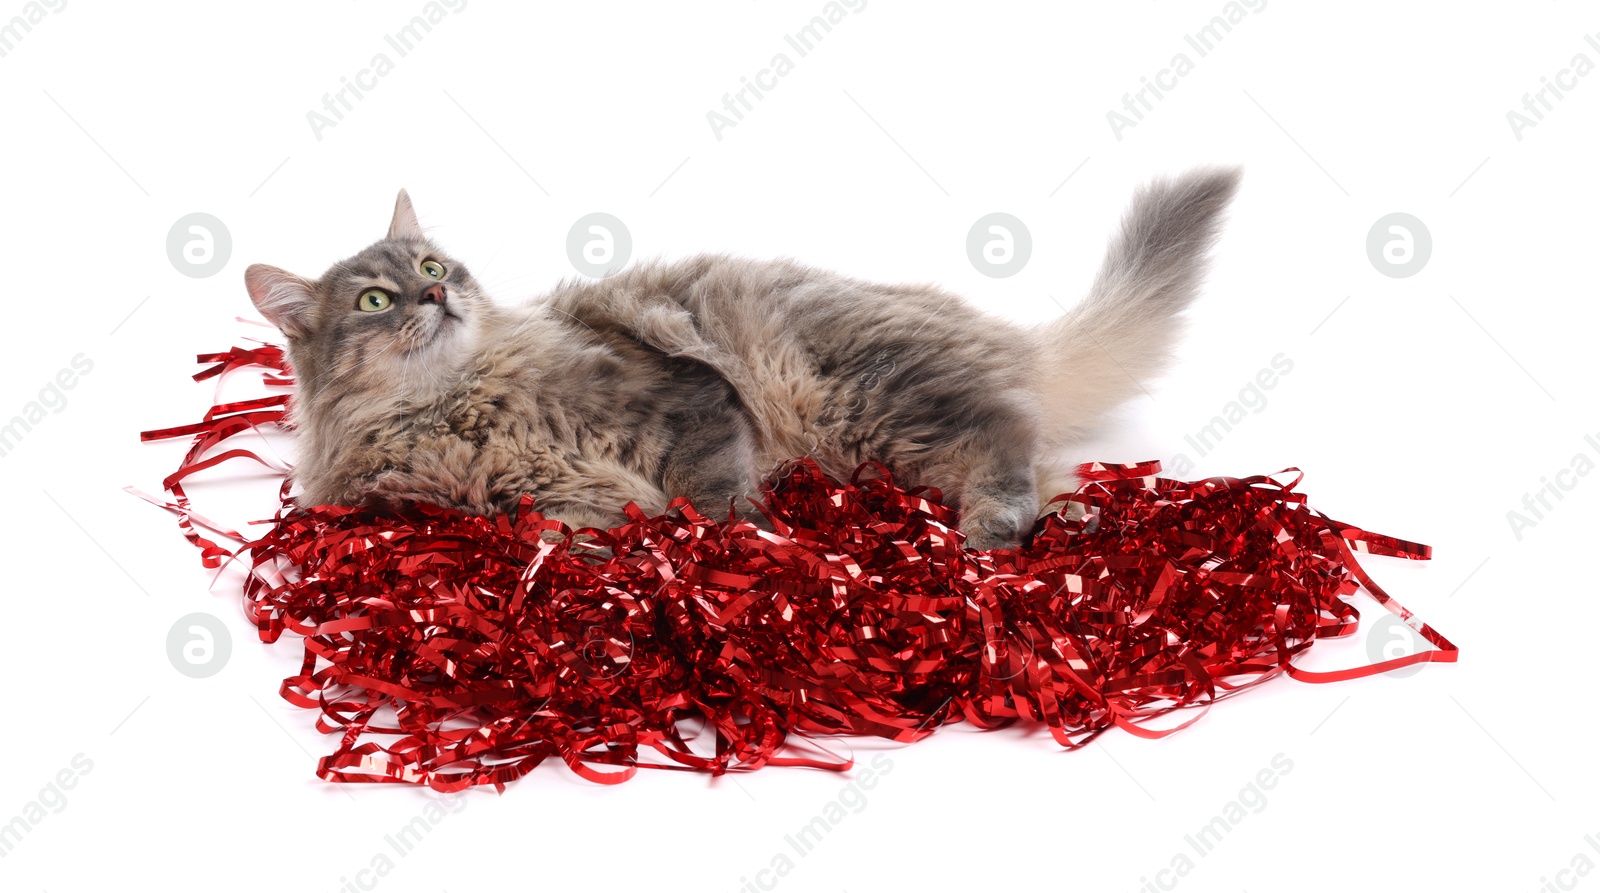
[(998, 503), (711, 458), (987, 466)]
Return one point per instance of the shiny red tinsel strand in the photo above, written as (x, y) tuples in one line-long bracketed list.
[(454, 650)]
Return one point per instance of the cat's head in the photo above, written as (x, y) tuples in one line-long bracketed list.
[(393, 317)]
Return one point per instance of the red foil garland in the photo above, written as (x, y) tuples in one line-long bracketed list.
[(454, 650)]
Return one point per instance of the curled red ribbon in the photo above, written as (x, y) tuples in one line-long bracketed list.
[(488, 644)]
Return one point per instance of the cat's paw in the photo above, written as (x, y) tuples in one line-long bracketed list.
[(986, 541), (1002, 530)]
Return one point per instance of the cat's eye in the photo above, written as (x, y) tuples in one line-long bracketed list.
[(373, 300), (433, 269)]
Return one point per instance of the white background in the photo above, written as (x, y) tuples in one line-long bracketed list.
[(1424, 407)]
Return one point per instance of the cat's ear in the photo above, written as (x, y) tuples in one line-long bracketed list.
[(284, 298), (404, 225)]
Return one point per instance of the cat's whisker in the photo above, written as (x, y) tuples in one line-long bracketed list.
[(575, 319)]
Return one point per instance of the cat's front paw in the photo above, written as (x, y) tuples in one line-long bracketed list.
[(1002, 530), (986, 541)]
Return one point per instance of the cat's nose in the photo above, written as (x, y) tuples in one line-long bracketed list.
[(434, 293)]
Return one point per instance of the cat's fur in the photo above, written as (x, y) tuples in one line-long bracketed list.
[(696, 378)]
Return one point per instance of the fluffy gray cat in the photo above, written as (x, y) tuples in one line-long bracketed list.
[(699, 377)]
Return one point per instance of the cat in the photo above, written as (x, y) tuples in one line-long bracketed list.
[(697, 378)]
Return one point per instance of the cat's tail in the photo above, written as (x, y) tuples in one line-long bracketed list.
[(1100, 353)]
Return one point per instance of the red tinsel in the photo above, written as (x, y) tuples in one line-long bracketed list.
[(454, 650)]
